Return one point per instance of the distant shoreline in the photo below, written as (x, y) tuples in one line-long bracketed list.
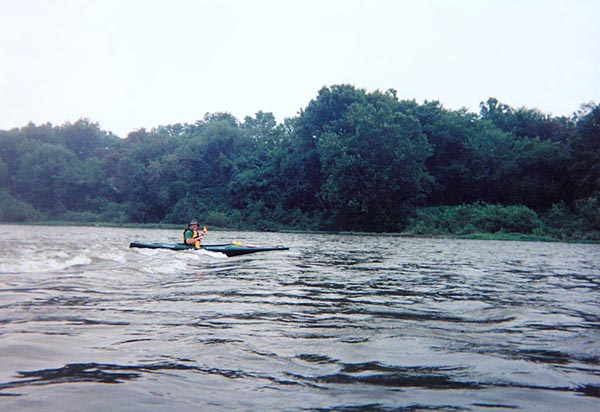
[(502, 236)]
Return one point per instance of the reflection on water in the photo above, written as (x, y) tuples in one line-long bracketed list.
[(338, 322)]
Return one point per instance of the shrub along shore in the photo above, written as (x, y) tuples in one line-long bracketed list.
[(477, 221)]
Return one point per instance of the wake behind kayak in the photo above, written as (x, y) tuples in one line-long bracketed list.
[(229, 249)]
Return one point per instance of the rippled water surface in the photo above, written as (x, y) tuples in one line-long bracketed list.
[(338, 322)]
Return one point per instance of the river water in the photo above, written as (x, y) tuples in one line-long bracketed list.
[(337, 323)]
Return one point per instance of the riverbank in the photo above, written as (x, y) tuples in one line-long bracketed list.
[(503, 236)]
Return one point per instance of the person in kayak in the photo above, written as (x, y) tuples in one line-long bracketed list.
[(191, 235)]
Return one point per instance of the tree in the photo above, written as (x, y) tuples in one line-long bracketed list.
[(85, 138), (525, 122), (540, 178), (256, 179), (492, 159), (45, 173), (373, 166), (585, 149), (447, 132), (322, 115)]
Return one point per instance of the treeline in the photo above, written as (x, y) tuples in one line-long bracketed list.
[(350, 160)]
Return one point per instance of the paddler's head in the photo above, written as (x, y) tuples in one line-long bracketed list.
[(193, 224)]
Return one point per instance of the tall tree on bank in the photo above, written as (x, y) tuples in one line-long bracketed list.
[(585, 149), (372, 161), (448, 133), (321, 116)]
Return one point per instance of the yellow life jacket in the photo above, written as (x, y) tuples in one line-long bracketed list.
[(194, 234)]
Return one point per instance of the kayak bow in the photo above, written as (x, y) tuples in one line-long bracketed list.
[(229, 249)]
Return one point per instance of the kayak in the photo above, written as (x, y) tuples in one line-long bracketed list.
[(230, 249)]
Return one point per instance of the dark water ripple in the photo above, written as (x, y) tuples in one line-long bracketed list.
[(338, 323)]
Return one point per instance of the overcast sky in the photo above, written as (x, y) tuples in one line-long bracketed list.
[(128, 64)]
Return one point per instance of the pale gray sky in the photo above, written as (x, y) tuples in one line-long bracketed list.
[(128, 64)]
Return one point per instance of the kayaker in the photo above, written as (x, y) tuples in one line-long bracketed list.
[(191, 235)]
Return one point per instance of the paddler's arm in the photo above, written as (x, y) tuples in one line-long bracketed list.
[(202, 233), (191, 241)]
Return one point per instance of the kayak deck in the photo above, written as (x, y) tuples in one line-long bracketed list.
[(229, 249)]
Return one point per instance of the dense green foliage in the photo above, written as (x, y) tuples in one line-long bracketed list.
[(351, 160), (475, 218)]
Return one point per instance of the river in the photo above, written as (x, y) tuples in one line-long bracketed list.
[(337, 323)]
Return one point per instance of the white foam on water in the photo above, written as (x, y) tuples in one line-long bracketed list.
[(160, 261), (41, 263), (215, 255)]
